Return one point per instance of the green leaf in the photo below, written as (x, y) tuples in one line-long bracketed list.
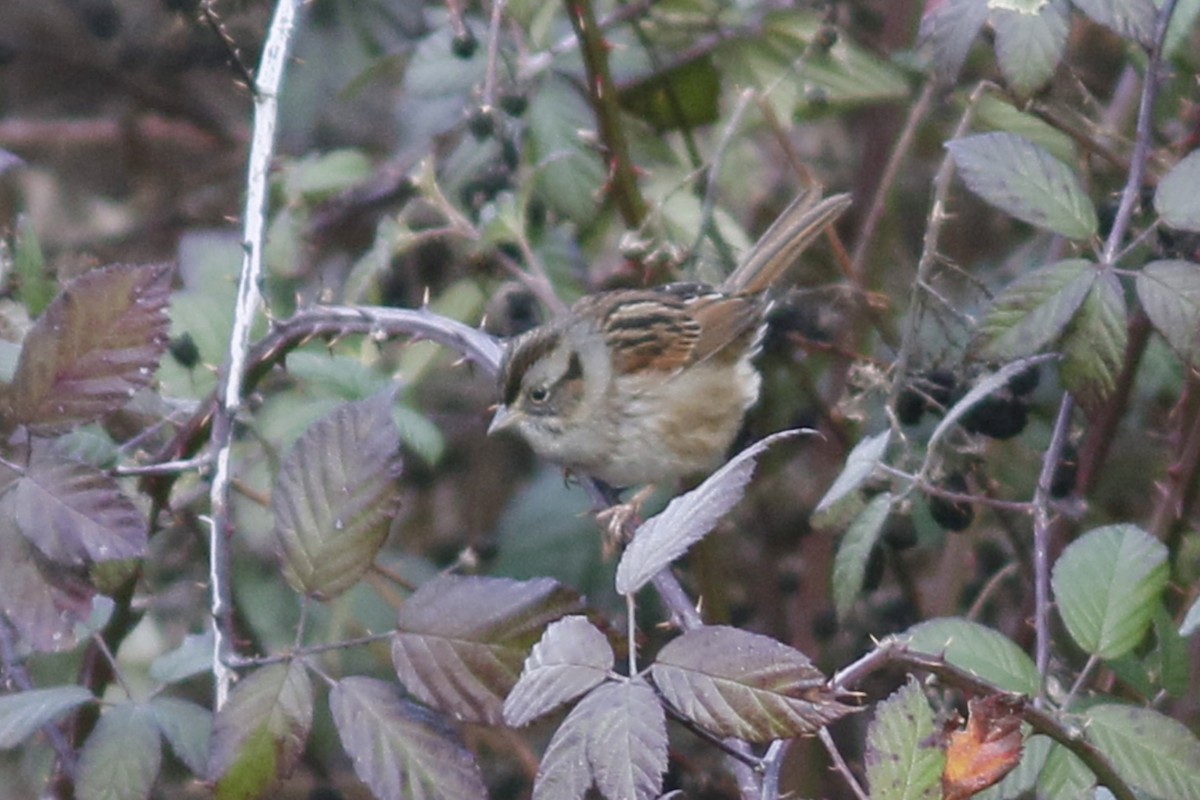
[(848, 74), (994, 113), (461, 642), (1030, 45), (22, 714), (977, 649), (193, 657), (570, 175), (572, 658), (1170, 294), (399, 749), (317, 176), (1094, 345), (1180, 30), (1064, 777), (1191, 622), (259, 734), (850, 563), (903, 762), (794, 78), (1033, 311), (1153, 752), (951, 29), (860, 465), (187, 727), (1107, 584), (1024, 180), (97, 343), (681, 97), (735, 683), (34, 286), (1024, 778), (1131, 19), (1169, 661), (122, 756), (1176, 199), (336, 497)]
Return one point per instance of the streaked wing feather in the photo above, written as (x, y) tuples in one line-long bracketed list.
[(651, 332), (728, 325)]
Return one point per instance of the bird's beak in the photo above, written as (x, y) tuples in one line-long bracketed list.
[(504, 418)]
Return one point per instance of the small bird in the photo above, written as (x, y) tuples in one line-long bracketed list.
[(645, 386)]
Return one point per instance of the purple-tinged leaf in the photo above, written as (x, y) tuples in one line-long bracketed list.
[(572, 658), (1030, 45), (565, 773), (1024, 180), (97, 343), (336, 496), (1170, 294), (1130, 19), (75, 514), (951, 27), (122, 756), (23, 714), (615, 738), (1176, 199), (259, 734), (462, 641), (903, 759), (1094, 346), (735, 683), (1034, 310), (187, 727), (399, 749), (627, 740), (688, 518), (43, 601), (850, 563)]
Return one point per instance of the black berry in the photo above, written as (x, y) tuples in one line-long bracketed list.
[(899, 532), (464, 45), (184, 350), (952, 515), (997, 417)]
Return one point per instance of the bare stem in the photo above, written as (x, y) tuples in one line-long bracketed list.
[(1041, 541), (623, 183)]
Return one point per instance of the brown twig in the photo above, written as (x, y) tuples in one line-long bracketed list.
[(622, 174), (893, 652)]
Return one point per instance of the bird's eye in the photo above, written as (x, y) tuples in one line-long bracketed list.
[(539, 394)]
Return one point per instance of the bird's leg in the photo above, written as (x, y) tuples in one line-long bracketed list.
[(620, 520)]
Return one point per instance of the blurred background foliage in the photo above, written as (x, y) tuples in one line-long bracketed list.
[(409, 170)]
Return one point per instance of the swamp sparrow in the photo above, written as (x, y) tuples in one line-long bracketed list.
[(642, 386)]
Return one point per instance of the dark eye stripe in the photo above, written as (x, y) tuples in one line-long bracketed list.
[(523, 354)]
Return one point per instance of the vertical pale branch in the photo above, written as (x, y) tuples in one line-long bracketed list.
[(622, 176), (1141, 142), (1041, 542), (249, 300), (1112, 246)]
